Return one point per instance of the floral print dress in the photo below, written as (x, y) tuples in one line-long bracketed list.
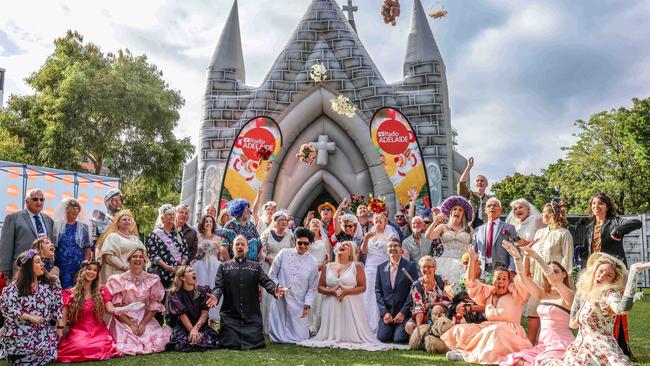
[(250, 233), (26, 342), (170, 248), (595, 343)]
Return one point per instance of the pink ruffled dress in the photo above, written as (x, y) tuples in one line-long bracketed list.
[(489, 342), (88, 338), (554, 337), (127, 288)]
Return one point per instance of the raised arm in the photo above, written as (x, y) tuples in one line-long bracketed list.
[(462, 182), (566, 293), (532, 288), (413, 196), (624, 227), (436, 228), (339, 212), (255, 208), (625, 303)]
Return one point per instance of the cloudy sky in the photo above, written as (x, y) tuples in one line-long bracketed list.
[(520, 72)]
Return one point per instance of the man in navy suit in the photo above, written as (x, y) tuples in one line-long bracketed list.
[(393, 289), (488, 239)]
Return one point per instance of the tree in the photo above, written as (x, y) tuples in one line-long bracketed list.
[(112, 110), (603, 159), (637, 126), (534, 188)]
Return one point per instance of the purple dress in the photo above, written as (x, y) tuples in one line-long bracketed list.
[(191, 304)]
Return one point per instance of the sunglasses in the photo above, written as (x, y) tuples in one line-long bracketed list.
[(348, 226), (326, 209), (302, 243), (36, 199)]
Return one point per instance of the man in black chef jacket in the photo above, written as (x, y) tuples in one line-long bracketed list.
[(237, 283)]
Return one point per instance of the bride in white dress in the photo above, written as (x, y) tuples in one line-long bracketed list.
[(207, 262), (344, 323), (374, 246), (456, 234)]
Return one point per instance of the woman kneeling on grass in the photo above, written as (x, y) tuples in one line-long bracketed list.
[(188, 307)]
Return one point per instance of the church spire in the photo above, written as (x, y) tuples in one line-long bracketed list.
[(421, 46), (229, 54)]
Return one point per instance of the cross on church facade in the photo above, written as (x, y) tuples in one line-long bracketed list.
[(351, 9), (323, 148)]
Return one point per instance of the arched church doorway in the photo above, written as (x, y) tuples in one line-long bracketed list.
[(323, 197)]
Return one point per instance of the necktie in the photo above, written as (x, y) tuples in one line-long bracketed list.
[(490, 239), (39, 225), (480, 209)]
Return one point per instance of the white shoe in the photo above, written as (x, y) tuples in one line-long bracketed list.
[(455, 356)]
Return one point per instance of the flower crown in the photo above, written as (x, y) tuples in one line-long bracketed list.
[(88, 262), (28, 255)]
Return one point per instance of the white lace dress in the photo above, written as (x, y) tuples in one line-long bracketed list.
[(206, 268), (345, 324), (376, 256), (455, 244)]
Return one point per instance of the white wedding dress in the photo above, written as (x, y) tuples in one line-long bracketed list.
[(344, 324), (449, 264), (376, 256), (206, 269)]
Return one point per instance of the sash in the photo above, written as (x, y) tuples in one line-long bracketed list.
[(169, 243)]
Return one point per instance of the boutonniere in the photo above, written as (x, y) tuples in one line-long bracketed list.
[(513, 239)]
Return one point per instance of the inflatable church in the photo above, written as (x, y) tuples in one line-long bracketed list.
[(324, 124)]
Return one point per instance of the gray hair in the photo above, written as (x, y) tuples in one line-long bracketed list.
[(493, 199), (32, 192)]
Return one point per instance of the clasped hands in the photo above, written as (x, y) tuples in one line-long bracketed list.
[(341, 293), (398, 319)]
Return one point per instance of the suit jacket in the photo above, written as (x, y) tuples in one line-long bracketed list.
[(18, 234), (499, 255), (613, 226), (475, 201), (395, 300)]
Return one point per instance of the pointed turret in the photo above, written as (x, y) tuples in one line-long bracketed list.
[(229, 54), (421, 46)]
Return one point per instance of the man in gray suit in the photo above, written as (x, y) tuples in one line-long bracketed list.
[(488, 239), (21, 228)]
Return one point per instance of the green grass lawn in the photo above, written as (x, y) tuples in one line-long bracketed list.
[(294, 355)]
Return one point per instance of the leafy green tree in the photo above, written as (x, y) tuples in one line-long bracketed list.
[(602, 159), (637, 125), (534, 188), (113, 110)]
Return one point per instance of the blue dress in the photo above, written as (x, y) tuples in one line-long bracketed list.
[(69, 254)]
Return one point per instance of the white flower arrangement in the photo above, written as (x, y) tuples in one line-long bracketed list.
[(318, 72), (343, 106)]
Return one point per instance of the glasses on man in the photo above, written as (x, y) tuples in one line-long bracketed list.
[(302, 243), (36, 199), (326, 209)]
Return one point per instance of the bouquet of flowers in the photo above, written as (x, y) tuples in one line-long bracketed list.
[(306, 154), (376, 204), (263, 153), (355, 202), (343, 106), (318, 72)]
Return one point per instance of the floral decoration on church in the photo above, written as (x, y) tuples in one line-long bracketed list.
[(318, 72), (306, 154), (355, 202), (342, 105), (390, 11), (376, 204)]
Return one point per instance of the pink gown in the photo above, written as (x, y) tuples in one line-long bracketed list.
[(145, 288), (489, 342), (554, 337), (88, 338)]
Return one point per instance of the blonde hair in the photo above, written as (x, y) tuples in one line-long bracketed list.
[(557, 214), (132, 253), (112, 228), (38, 244), (588, 289), (425, 259), (353, 250), (223, 213)]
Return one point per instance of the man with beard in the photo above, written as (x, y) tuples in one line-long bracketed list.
[(477, 198), (100, 220), (236, 287)]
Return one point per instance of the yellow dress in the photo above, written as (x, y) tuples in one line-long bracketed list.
[(489, 342)]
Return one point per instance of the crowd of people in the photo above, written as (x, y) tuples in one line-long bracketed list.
[(454, 279)]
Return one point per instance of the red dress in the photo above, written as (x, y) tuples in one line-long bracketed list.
[(88, 338)]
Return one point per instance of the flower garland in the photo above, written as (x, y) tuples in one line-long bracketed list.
[(318, 72), (306, 154), (376, 204), (342, 105)]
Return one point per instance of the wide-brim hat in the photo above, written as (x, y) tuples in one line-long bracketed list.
[(326, 205), (452, 201)]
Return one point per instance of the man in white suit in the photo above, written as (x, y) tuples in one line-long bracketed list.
[(488, 239), (21, 228)]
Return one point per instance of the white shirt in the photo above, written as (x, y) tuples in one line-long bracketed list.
[(40, 215)]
